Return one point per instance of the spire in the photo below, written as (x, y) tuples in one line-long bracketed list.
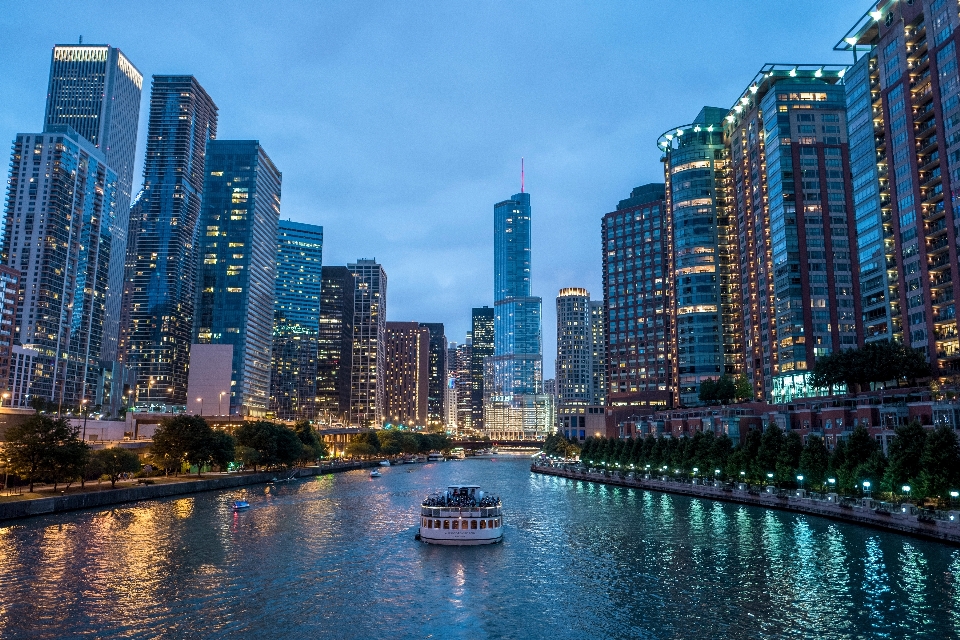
[(521, 174)]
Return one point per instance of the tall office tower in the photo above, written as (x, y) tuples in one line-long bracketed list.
[(369, 358), (465, 386), (481, 341), (574, 384), (161, 283), (96, 90), (57, 233), (296, 320), (598, 354), (638, 305), (407, 374), (9, 301), (903, 118), (515, 406), (239, 216), (335, 343), (790, 193), (706, 272), (438, 373)]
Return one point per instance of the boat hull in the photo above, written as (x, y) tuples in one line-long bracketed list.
[(459, 542)]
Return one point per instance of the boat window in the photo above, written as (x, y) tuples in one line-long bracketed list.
[(436, 524), (490, 524), (497, 521), (483, 524), (456, 524), (473, 524), (446, 524)]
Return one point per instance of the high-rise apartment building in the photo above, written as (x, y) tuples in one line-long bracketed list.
[(296, 321), (706, 273), (597, 353), (335, 343), (903, 119), (61, 204), (369, 357), (514, 405), (407, 374), (481, 343), (438, 373), (450, 393), (235, 306), (576, 381), (9, 302), (96, 90), (638, 305), (790, 194), (466, 408), (160, 288)]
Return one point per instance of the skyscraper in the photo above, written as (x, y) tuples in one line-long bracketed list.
[(296, 322), (706, 273), (9, 303), (369, 357), (96, 90), (450, 394), (438, 372), (335, 342), (515, 406), (902, 99), (465, 386), (160, 291), (240, 215), (638, 305), (481, 343), (407, 373), (579, 324), (791, 195), (57, 233)]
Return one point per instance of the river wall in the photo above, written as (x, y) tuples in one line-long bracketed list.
[(915, 525), (94, 499)]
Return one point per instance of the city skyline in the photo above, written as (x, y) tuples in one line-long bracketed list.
[(439, 267)]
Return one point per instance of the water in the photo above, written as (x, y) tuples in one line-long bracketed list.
[(334, 557)]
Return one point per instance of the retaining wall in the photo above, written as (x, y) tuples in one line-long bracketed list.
[(40, 506), (931, 529)]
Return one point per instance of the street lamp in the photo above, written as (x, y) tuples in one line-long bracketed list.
[(200, 400), (4, 397), (866, 487), (6, 476), (800, 480), (906, 490), (220, 404), (83, 405)]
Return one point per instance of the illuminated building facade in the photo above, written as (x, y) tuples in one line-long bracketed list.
[(407, 374), (438, 373), (578, 386), (369, 357), (239, 219), (9, 302), (466, 408), (335, 343), (481, 343)]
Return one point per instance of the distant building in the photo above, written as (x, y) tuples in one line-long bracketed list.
[(296, 321), (407, 374), (24, 366), (64, 284), (579, 382), (466, 381), (438, 373), (211, 379), (162, 254), (335, 343), (550, 387), (240, 215), (9, 302), (96, 90), (369, 358), (481, 347), (115, 388), (450, 394)]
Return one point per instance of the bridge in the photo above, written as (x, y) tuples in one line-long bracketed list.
[(473, 445)]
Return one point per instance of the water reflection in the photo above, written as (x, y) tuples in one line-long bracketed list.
[(334, 557)]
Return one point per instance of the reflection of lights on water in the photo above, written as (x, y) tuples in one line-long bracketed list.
[(183, 508)]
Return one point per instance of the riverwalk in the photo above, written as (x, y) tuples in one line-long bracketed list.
[(906, 519), (212, 482)]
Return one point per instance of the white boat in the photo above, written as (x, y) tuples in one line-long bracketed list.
[(435, 457), (461, 515), (384, 463), (375, 474), (458, 453)]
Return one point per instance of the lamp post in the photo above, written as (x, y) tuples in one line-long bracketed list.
[(83, 405), (220, 404), (906, 490), (200, 400), (866, 487), (5, 395), (6, 477)]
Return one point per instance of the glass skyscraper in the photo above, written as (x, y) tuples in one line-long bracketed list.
[(367, 400), (480, 343), (438, 372), (293, 380), (160, 287), (96, 90), (335, 343), (239, 219)]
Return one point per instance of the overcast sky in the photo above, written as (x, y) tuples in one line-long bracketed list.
[(398, 125)]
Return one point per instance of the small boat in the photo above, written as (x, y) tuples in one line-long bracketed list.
[(240, 504), (384, 463), (435, 457), (375, 474)]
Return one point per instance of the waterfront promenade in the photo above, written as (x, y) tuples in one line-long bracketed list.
[(904, 519)]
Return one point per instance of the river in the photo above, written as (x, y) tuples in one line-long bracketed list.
[(335, 557)]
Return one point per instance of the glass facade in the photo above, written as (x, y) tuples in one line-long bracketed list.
[(241, 212), (369, 355), (296, 321), (162, 258), (438, 372), (480, 344), (335, 343)]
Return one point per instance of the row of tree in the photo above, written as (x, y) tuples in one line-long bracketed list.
[(872, 363), (928, 461), (390, 442)]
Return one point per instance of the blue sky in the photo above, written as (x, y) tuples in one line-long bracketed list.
[(398, 125)]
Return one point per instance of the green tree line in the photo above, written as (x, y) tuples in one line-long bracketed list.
[(391, 442), (928, 461)]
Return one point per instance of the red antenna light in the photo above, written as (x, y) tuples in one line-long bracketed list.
[(521, 175)]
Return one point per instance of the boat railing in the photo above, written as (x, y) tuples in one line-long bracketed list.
[(461, 512)]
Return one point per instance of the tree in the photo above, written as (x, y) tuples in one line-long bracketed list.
[(359, 449), (743, 389), (189, 439), (788, 461), (906, 451), (32, 445), (874, 362), (940, 464), (289, 448), (221, 449), (769, 452), (708, 392), (313, 447), (814, 461), (274, 444), (115, 462), (69, 459)]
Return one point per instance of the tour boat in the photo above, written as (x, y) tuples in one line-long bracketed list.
[(375, 474), (435, 457), (384, 463), (240, 504), (461, 515)]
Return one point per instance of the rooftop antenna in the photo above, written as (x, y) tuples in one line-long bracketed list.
[(81, 39), (521, 174)]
